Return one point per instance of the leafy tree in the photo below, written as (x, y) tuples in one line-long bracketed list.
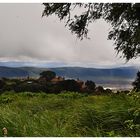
[(108, 91), (99, 90), (90, 85), (124, 18), (136, 83), (54, 88), (49, 75), (69, 85), (33, 87), (2, 84)]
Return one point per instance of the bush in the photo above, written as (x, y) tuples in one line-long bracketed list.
[(2, 84), (53, 88), (33, 87), (99, 90), (69, 85), (9, 87), (48, 75), (108, 91), (90, 86)]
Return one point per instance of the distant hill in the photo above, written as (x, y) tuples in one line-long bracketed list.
[(12, 72), (113, 76)]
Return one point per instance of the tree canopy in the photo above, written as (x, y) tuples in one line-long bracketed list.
[(124, 18), (90, 85), (49, 75), (136, 83)]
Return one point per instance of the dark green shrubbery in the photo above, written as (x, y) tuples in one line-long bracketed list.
[(31, 87), (99, 90), (136, 83), (2, 84), (48, 75), (53, 88), (50, 83), (90, 86), (69, 85)]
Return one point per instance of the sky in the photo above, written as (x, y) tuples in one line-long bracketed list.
[(27, 39)]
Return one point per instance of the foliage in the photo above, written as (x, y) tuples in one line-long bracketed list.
[(99, 90), (33, 87), (124, 18), (136, 83), (71, 95), (45, 84), (68, 114), (53, 88), (69, 85), (49, 75), (2, 84), (108, 91), (90, 86), (133, 123)]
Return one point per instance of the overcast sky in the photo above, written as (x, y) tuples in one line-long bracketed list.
[(28, 38)]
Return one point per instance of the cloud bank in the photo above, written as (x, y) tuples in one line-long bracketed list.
[(27, 37)]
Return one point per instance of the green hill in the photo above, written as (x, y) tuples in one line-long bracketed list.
[(113, 76)]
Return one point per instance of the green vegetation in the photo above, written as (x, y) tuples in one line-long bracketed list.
[(136, 83), (70, 114), (123, 17), (48, 82)]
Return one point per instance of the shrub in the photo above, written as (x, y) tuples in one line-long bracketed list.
[(48, 75), (99, 90), (136, 83), (33, 87), (90, 86), (69, 85), (2, 84)]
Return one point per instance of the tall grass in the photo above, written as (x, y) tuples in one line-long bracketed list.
[(68, 114)]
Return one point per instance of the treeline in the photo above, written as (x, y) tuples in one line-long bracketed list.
[(49, 82)]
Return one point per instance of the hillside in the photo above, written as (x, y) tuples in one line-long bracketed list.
[(12, 72), (122, 76), (113, 77)]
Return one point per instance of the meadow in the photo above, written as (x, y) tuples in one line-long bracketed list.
[(70, 114)]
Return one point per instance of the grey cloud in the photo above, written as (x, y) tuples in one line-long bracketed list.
[(26, 36)]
